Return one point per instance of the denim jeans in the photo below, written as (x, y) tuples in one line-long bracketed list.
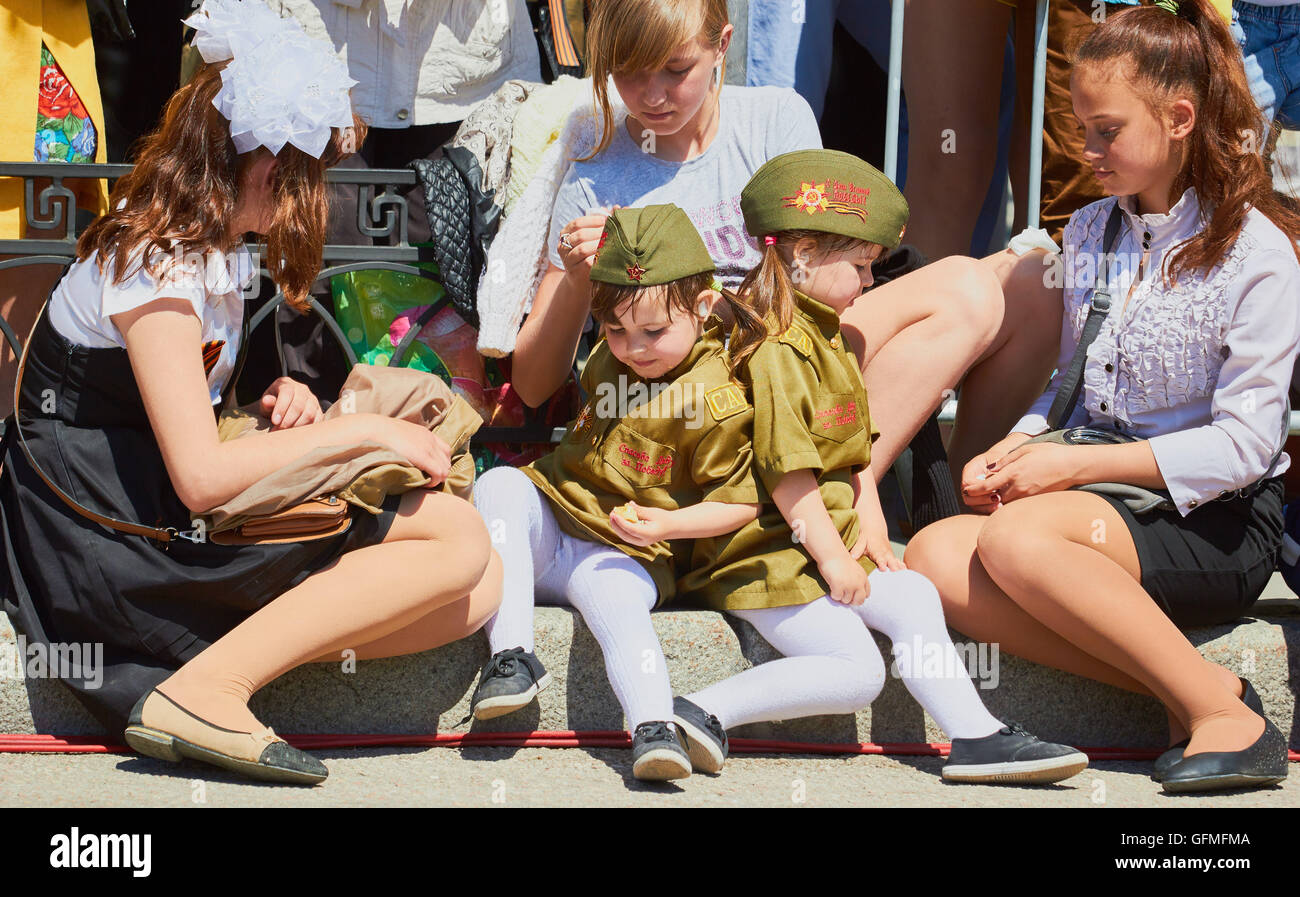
[(1270, 45)]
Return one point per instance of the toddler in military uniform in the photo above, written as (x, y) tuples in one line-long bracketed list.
[(659, 453), (817, 564)]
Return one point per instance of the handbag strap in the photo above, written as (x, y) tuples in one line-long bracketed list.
[(162, 535), (1067, 394)]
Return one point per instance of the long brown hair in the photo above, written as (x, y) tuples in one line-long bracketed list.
[(639, 35), (180, 198), (768, 289), (1193, 54), (680, 296)]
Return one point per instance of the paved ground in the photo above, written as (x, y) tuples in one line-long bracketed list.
[(484, 777)]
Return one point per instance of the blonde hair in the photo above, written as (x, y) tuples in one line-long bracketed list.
[(640, 35)]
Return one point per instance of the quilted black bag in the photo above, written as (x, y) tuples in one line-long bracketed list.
[(463, 219)]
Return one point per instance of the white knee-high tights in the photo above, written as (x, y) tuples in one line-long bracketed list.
[(832, 665), (612, 591), (831, 662)]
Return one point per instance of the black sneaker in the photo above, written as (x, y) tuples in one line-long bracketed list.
[(1011, 756), (706, 740), (511, 679), (657, 755)]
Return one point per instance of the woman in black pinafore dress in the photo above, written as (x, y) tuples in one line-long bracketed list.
[(190, 630)]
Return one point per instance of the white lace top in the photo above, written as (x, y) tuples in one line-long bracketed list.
[(1201, 369)]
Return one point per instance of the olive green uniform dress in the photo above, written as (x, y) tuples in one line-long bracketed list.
[(810, 412), (691, 443)]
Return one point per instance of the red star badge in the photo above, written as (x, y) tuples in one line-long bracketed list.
[(636, 272)]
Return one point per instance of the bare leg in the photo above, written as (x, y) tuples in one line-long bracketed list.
[(1014, 369), (946, 552), (952, 72), (915, 337), (1040, 549), (447, 624), (435, 554)]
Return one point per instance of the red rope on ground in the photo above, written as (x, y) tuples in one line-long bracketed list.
[(92, 744)]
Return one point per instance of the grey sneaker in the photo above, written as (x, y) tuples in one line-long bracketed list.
[(510, 680), (1011, 756), (706, 740), (657, 755)]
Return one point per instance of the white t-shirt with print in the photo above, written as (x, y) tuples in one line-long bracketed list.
[(754, 125), (83, 302)]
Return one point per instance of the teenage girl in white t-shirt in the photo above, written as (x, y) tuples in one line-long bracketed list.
[(702, 143)]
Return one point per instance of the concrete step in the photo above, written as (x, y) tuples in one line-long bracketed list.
[(430, 692)]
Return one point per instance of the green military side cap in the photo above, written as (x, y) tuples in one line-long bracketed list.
[(824, 190), (648, 246)]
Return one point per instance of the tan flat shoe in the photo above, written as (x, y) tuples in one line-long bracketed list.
[(160, 728)]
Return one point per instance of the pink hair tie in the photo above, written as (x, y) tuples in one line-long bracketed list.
[(769, 240)]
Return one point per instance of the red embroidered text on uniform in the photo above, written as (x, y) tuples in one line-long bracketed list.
[(837, 416), (642, 462)]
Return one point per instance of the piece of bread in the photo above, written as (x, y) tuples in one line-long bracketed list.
[(628, 513)]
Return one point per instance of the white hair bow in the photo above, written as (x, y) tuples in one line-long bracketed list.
[(281, 86)]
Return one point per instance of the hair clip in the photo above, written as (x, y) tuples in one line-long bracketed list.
[(769, 240), (1168, 5)]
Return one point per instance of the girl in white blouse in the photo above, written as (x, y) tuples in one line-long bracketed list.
[(1194, 360)]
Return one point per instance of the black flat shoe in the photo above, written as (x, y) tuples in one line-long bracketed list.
[(1249, 697), (160, 728), (1263, 763)]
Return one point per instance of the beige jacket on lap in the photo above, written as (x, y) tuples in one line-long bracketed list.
[(365, 473)]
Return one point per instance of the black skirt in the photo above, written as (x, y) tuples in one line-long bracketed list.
[(1210, 566), (65, 580)]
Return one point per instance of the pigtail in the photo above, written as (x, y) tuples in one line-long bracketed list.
[(768, 291), (1225, 159), (749, 333)]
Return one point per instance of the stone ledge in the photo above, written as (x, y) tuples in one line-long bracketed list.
[(429, 692)]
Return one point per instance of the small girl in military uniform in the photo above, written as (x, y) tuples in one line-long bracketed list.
[(659, 453), (817, 564)]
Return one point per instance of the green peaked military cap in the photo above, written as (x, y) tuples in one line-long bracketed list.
[(824, 190), (650, 245)]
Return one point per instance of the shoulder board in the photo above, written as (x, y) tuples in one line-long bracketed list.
[(799, 339), (726, 401)]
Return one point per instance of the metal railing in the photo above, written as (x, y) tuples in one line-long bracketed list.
[(51, 218)]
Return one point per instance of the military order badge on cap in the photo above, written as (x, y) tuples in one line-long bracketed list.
[(824, 190), (649, 246)]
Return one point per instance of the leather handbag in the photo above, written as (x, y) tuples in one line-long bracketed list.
[(316, 518), (1138, 499)]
